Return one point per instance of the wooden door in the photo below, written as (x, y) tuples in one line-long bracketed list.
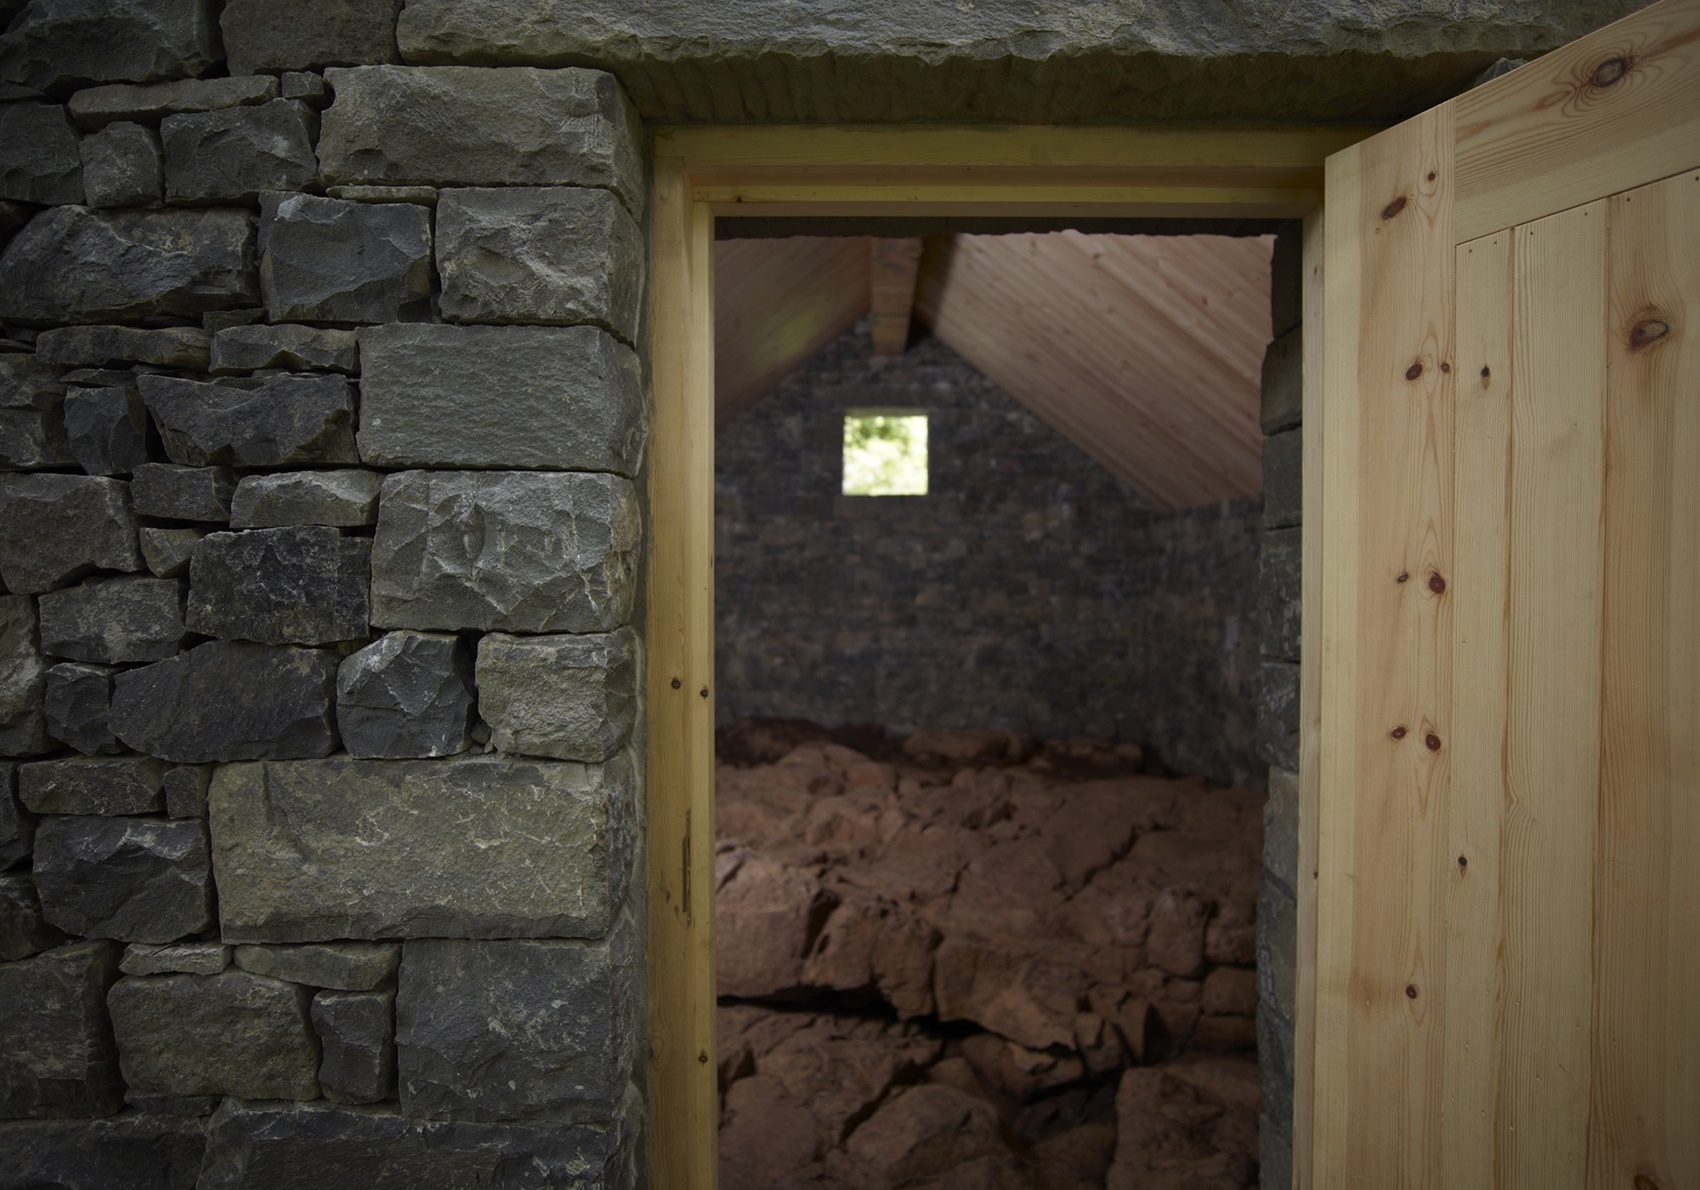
[(1507, 964)]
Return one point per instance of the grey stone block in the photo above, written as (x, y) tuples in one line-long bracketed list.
[(235, 154), (39, 161), (1283, 480), (98, 107), (302, 585), (168, 552), (77, 704), (186, 791), (553, 255), (425, 196), (23, 681), (74, 42), (406, 695), (1278, 715), (233, 1033), (1279, 586), (1275, 1065), (1281, 829), (17, 825), (469, 126), (73, 264), (357, 1040), (56, 1053), (158, 1150), (306, 34), (107, 429), (32, 415), (1277, 949), (345, 499), (306, 86), (341, 966), (113, 620), (265, 1146), (1286, 281), (56, 528), (552, 552), (229, 700), (272, 421), (1283, 383), (23, 930), (132, 879), (87, 785), (175, 958), (123, 166), (517, 1029), (116, 346), (289, 346), (558, 398), (325, 259), (181, 493), (474, 847), (570, 697), (214, 321)]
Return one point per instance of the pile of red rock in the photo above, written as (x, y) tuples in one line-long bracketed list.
[(965, 961)]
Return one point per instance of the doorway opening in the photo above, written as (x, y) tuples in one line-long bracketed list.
[(989, 830)]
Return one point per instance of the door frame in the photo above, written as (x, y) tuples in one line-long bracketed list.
[(858, 171)]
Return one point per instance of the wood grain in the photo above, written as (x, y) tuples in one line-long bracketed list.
[(1553, 703), (1645, 1109), (1612, 111), (895, 265)]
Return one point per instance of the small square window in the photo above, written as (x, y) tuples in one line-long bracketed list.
[(885, 452)]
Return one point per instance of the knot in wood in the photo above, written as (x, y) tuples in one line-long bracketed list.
[(1410, 991), (1414, 371), (1646, 332), (1433, 742), (1437, 584), (1393, 208), (1610, 72), (1398, 733)]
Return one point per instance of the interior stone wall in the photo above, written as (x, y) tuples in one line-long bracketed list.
[(1028, 591), (322, 429)]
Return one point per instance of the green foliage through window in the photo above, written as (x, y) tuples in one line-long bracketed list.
[(885, 452)]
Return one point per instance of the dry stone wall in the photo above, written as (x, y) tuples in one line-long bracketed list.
[(322, 428)]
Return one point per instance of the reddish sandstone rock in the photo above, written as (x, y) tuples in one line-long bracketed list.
[(766, 918)]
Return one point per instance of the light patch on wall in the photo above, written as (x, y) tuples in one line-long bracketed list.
[(885, 452)]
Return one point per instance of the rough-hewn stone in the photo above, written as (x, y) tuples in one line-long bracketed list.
[(478, 847), (123, 166), (32, 415), (326, 259), (233, 1033), (517, 1029), (73, 264), (561, 255), (345, 499), (1278, 594), (39, 161), (143, 1150), (305, 34), (133, 879), (357, 1041), (23, 930), (56, 528), (186, 790), (1283, 382), (265, 1146), (229, 700), (306, 86), (406, 695), (115, 346), (289, 346), (566, 398), (107, 429), (56, 1053), (96, 107), (175, 958), (341, 966), (302, 585), (235, 154), (271, 421), (59, 43), (1283, 479), (1278, 715), (462, 125), (113, 620), (552, 552), (1011, 61), (181, 493), (1277, 949), (425, 196), (87, 785), (17, 825), (168, 552), (570, 697), (77, 704), (23, 681)]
